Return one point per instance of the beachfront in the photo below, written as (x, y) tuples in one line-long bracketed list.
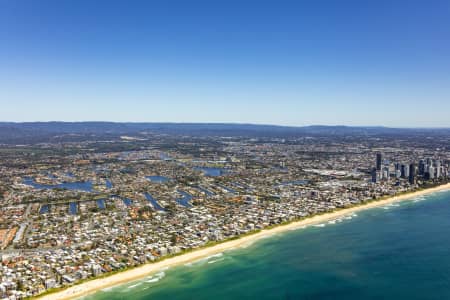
[(143, 271)]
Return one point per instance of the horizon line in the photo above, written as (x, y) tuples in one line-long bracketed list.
[(229, 123)]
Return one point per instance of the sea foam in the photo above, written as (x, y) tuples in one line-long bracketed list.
[(135, 285), (215, 255), (203, 260), (157, 277), (216, 260)]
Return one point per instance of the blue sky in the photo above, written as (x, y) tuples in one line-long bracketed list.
[(298, 62)]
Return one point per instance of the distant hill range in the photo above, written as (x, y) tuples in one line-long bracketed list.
[(36, 132)]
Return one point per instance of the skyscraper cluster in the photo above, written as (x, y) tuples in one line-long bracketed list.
[(427, 169)]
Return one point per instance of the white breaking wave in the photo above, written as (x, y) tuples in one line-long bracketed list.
[(205, 259), (157, 277), (214, 261), (297, 228), (215, 255), (134, 285), (319, 225), (420, 198)]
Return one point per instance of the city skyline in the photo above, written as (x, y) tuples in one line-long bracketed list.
[(343, 63)]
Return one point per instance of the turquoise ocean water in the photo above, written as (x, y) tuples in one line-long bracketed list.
[(400, 251)]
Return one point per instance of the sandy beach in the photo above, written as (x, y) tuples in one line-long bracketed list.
[(92, 286)]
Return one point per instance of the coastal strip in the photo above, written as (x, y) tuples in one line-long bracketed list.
[(140, 272)]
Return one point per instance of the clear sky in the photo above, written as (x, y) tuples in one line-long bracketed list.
[(350, 62)]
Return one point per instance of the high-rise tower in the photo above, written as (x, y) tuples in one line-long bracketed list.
[(379, 161), (412, 174)]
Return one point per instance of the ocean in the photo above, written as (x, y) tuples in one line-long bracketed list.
[(400, 251)]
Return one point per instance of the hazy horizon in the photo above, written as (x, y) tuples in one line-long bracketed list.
[(227, 123)]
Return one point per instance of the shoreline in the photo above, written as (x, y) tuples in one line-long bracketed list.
[(94, 285)]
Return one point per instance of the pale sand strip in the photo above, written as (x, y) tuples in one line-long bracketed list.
[(94, 285)]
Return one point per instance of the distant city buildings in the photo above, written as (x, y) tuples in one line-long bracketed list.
[(427, 170)]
